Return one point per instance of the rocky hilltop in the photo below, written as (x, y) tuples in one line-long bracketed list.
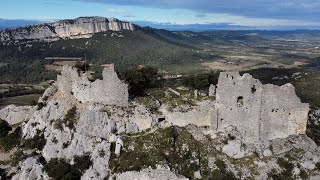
[(82, 27), (240, 129)]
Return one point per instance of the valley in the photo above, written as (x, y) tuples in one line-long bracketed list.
[(173, 52)]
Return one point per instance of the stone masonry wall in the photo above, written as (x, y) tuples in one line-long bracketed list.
[(109, 91), (260, 112)]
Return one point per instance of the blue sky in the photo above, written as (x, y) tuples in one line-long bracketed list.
[(261, 14)]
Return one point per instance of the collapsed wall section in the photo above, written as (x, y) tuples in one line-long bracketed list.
[(109, 91)]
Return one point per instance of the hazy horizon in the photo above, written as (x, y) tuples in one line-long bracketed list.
[(230, 14)]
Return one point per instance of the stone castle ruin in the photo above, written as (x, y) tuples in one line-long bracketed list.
[(109, 91), (259, 112), (253, 113)]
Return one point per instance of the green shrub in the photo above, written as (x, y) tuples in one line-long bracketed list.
[(10, 141), (82, 163), (16, 157), (3, 174), (303, 174), (286, 168), (140, 79), (40, 105), (318, 166), (60, 169), (70, 117), (81, 66), (4, 128), (37, 142), (201, 81), (58, 124), (45, 98)]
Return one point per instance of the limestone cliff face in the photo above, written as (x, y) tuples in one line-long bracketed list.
[(83, 27)]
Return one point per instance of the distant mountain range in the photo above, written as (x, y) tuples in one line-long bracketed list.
[(193, 27), (13, 23)]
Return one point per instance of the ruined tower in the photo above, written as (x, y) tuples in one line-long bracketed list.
[(108, 91), (260, 112)]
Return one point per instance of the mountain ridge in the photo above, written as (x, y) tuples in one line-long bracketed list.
[(82, 27)]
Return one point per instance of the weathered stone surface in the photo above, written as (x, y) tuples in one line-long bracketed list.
[(199, 115), (31, 169), (119, 144), (109, 91), (195, 94), (83, 27), (100, 156), (174, 91), (149, 174), (212, 90), (16, 114), (233, 149), (197, 175), (260, 112)]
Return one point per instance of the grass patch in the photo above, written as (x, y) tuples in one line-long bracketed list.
[(181, 103), (286, 170), (10, 141), (173, 146)]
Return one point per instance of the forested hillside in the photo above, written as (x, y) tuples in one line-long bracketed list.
[(125, 49)]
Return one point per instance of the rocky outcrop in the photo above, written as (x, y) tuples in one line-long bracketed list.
[(31, 168), (150, 174), (83, 27), (212, 90), (96, 125), (260, 112), (16, 114)]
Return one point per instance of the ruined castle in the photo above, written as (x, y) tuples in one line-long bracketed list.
[(109, 91), (253, 113), (259, 112)]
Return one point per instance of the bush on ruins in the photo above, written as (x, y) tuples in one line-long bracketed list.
[(201, 81), (140, 79)]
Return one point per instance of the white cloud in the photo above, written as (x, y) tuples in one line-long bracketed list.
[(260, 22), (129, 16), (117, 10), (274, 9)]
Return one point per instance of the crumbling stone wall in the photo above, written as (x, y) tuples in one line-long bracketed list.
[(260, 112), (109, 91)]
